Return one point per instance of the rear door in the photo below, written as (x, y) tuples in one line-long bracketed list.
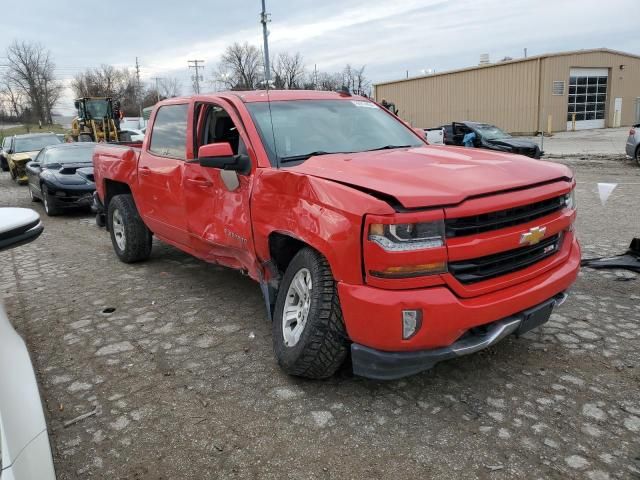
[(160, 174), (217, 201)]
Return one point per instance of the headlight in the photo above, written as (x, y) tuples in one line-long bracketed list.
[(403, 237), (570, 200)]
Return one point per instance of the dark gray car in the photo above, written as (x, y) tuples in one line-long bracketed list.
[(633, 143)]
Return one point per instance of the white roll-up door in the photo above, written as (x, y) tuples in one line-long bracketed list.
[(587, 97)]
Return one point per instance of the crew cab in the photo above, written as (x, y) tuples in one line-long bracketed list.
[(363, 238)]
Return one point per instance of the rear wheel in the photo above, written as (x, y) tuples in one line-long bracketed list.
[(130, 237), (48, 201), (4, 164), (309, 338)]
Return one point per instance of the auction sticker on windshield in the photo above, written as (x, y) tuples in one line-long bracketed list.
[(359, 103)]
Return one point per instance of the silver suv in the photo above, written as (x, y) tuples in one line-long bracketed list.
[(633, 143)]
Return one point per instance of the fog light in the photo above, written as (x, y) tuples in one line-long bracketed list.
[(411, 323)]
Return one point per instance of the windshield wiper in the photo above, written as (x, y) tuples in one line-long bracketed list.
[(297, 158), (388, 147)]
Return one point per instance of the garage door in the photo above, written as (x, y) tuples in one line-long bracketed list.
[(587, 97)]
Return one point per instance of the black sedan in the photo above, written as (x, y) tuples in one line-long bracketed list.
[(62, 177), (489, 137)]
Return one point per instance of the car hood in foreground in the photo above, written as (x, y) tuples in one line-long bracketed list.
[(22, 425), (433, 175)]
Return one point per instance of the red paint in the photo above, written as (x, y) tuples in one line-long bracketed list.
[(329, 202)]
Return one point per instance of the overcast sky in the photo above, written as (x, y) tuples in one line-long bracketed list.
[(388, 37)]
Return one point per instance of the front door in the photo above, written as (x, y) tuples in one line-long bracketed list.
[(160, 172), (217, 201)]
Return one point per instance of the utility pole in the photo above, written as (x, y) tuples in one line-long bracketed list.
[(264, 19), (196, 78), (157, 87), (138, 87)]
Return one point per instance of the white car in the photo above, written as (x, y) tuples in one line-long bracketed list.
[(135, 135), (25, 453)]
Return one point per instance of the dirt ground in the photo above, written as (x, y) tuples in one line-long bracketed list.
[(183, 380)]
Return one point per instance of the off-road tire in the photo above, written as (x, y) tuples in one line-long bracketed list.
[(323, 345), (49, 202), (138, 237)]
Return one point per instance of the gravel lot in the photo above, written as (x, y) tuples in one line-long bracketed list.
[(185, 386)]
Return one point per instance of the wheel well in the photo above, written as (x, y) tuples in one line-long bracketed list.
[(283, 248), (113, 188)]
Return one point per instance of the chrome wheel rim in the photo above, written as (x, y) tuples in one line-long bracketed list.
[(118, 230), (296, 307)]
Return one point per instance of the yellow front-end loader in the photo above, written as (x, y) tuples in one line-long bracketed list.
[(95, 122)]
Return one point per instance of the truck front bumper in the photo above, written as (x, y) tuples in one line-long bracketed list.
[(379, 365), (373, 319)]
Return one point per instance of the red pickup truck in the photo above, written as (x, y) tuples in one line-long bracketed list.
[(363, 238)]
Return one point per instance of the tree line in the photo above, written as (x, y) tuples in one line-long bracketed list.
[(241, 67), (29, 88)]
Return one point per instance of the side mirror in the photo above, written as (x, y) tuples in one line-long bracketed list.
[(18, 226), (33, 165), (220, 155)]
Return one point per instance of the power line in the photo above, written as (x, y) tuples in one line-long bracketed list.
[(196, 77)]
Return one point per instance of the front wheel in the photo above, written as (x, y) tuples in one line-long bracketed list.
[(309, 337), (49, 202), (130, 237), (638, 155)]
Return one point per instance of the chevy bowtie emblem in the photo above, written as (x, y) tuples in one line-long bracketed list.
[(533, 236)]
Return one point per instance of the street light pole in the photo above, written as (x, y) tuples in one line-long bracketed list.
[(264, 19)]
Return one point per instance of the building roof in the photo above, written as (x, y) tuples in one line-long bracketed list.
[(508, 62)]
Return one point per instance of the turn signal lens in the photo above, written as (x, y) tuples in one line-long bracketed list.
[(409, 271)]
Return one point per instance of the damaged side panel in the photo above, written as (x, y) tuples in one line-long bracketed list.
[(317, 212)]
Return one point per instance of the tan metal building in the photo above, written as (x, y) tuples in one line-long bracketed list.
[(601, 87)]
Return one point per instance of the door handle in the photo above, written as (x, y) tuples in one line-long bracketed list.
[(199, 182), (144, 171)]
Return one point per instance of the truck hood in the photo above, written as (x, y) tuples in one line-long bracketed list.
[(433, 175)]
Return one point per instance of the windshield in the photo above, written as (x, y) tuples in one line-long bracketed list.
[(97, 109), (491, 132), (61, 156), (31, 144), (305, 127)]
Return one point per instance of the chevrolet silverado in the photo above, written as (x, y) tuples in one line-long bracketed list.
[(364, 238)]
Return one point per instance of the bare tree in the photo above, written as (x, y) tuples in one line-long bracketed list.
[(31, 73), (108, 81), (14, 97), (355, 79), (288, 71), (328, 81), (169, 87), (240, 67)]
